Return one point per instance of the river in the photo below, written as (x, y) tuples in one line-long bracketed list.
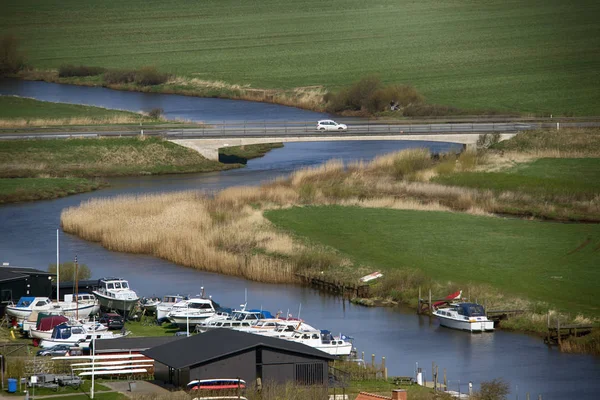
[(28, 230)]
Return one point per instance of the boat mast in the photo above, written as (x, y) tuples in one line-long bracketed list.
[(57, 270), (76, 290)]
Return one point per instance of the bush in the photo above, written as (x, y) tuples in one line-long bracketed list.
[(12, 60), (82, 70), (409, 162), (368, 94), (119, 76), (497, 389), (148, 76), (155, 113)]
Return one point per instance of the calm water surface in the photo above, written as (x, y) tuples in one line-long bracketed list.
[(27, 238)]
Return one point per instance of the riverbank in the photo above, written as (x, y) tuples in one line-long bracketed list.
[(238, 239), (13, 190)]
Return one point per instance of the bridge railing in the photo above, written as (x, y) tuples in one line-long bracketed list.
[(284, 128)]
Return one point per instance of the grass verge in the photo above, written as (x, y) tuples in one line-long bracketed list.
[(27, 189), (99, 158)]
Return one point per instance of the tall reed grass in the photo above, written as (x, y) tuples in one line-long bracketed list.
[(227, 233)]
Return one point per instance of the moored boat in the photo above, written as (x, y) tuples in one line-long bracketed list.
[(464, 316), (323, 340), (189, 313), (167, 303), (115, 294)]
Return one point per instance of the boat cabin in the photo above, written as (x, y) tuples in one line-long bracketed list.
[(29, 302), (251, 315), (469, 310), (110, 284), (173, 299)]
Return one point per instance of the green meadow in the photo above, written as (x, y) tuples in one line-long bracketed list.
[(527, 56), (545, 261)]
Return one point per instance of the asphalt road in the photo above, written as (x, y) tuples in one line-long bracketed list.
[(305, 129)]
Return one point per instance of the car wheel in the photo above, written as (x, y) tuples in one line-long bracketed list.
[(321, 129)]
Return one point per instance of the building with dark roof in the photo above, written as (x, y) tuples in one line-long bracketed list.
[(16, 282), (131, 345), (226, 354)]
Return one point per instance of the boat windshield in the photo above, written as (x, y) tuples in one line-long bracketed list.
[(472, 310), (124, 285), (117, 285)]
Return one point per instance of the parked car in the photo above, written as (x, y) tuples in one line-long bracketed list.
[(58, 350), (329, 125), (112, 321)]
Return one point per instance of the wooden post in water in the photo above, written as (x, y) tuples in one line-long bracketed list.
[(558, 331), (373, 360), (527, 396), (433, 371), (419, 302), (363, 356), (429, 301), (445, 380), (383, 363), (548, 333)]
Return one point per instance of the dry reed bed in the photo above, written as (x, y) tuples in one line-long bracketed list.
[(227, 233)]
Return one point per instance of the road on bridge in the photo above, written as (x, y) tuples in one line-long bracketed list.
[(239, 130)]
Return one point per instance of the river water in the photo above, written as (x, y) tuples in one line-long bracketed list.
[(27, 238)]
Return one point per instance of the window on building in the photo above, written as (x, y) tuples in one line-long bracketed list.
[(309, 374)]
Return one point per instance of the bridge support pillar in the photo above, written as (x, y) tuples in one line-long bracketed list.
[(210, 152), (470, 147)]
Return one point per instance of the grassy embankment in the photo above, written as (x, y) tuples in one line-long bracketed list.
[(45, 169), (536, 56)]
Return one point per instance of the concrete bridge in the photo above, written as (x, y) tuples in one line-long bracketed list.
[(210, 144)]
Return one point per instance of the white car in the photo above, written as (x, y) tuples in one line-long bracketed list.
[(329, 125)]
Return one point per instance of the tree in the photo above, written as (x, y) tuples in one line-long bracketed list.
[(67, 271), (497, 389), (12, 60)]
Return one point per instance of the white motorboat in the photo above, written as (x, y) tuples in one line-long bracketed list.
[(237, 319), (115, 294), (464, 316), (46, 327), (78, 335), (167, 303), (324, 341), (189, 313), (149, 304), (26, 305), (277, 327)]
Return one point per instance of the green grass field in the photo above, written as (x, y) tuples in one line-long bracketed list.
[(12, 107), (534, 56), (552, 262), (27, 189), (572, 178)]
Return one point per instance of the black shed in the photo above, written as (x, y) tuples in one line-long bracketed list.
[(16, 282), (230, 354)]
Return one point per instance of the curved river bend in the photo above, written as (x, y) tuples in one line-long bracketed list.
[(27, 238)]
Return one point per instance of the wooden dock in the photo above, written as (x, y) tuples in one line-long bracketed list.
[(336, 287), (556, 334)]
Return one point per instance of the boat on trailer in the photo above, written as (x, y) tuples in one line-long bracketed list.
[(78, 335), (464, 316), (115, 294), (191, 312)]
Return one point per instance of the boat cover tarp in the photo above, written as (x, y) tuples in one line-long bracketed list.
[(25, 301), (48, 323)]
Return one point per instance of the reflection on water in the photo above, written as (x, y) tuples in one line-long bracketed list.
[(27, 238)]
